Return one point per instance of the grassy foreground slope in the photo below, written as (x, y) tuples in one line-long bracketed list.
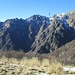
[(16, 63), (25, 66), (33, 66)]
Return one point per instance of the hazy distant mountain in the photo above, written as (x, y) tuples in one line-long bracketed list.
[(37, 33)]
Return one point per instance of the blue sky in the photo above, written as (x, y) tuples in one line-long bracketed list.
[(25, 8)]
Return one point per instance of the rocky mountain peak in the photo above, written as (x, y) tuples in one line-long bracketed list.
[(37, 33)]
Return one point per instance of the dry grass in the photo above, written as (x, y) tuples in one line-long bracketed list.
[(25, 66), (56, 67), (12, 66)]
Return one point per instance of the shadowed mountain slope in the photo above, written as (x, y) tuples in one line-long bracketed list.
[(38, 34)]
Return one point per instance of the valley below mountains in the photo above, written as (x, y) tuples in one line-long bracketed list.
[(41, 36)]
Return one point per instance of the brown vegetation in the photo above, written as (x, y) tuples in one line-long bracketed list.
[(27, 66)]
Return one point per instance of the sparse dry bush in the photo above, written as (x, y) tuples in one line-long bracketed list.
[(35, 61), (56, 67), (45, 62), (12, 54)]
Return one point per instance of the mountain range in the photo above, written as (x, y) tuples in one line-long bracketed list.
[(39, 34)]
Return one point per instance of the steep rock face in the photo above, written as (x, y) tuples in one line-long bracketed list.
[(56, 35), (71, 19), (1, 24), (12, 35), (19, 34)]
